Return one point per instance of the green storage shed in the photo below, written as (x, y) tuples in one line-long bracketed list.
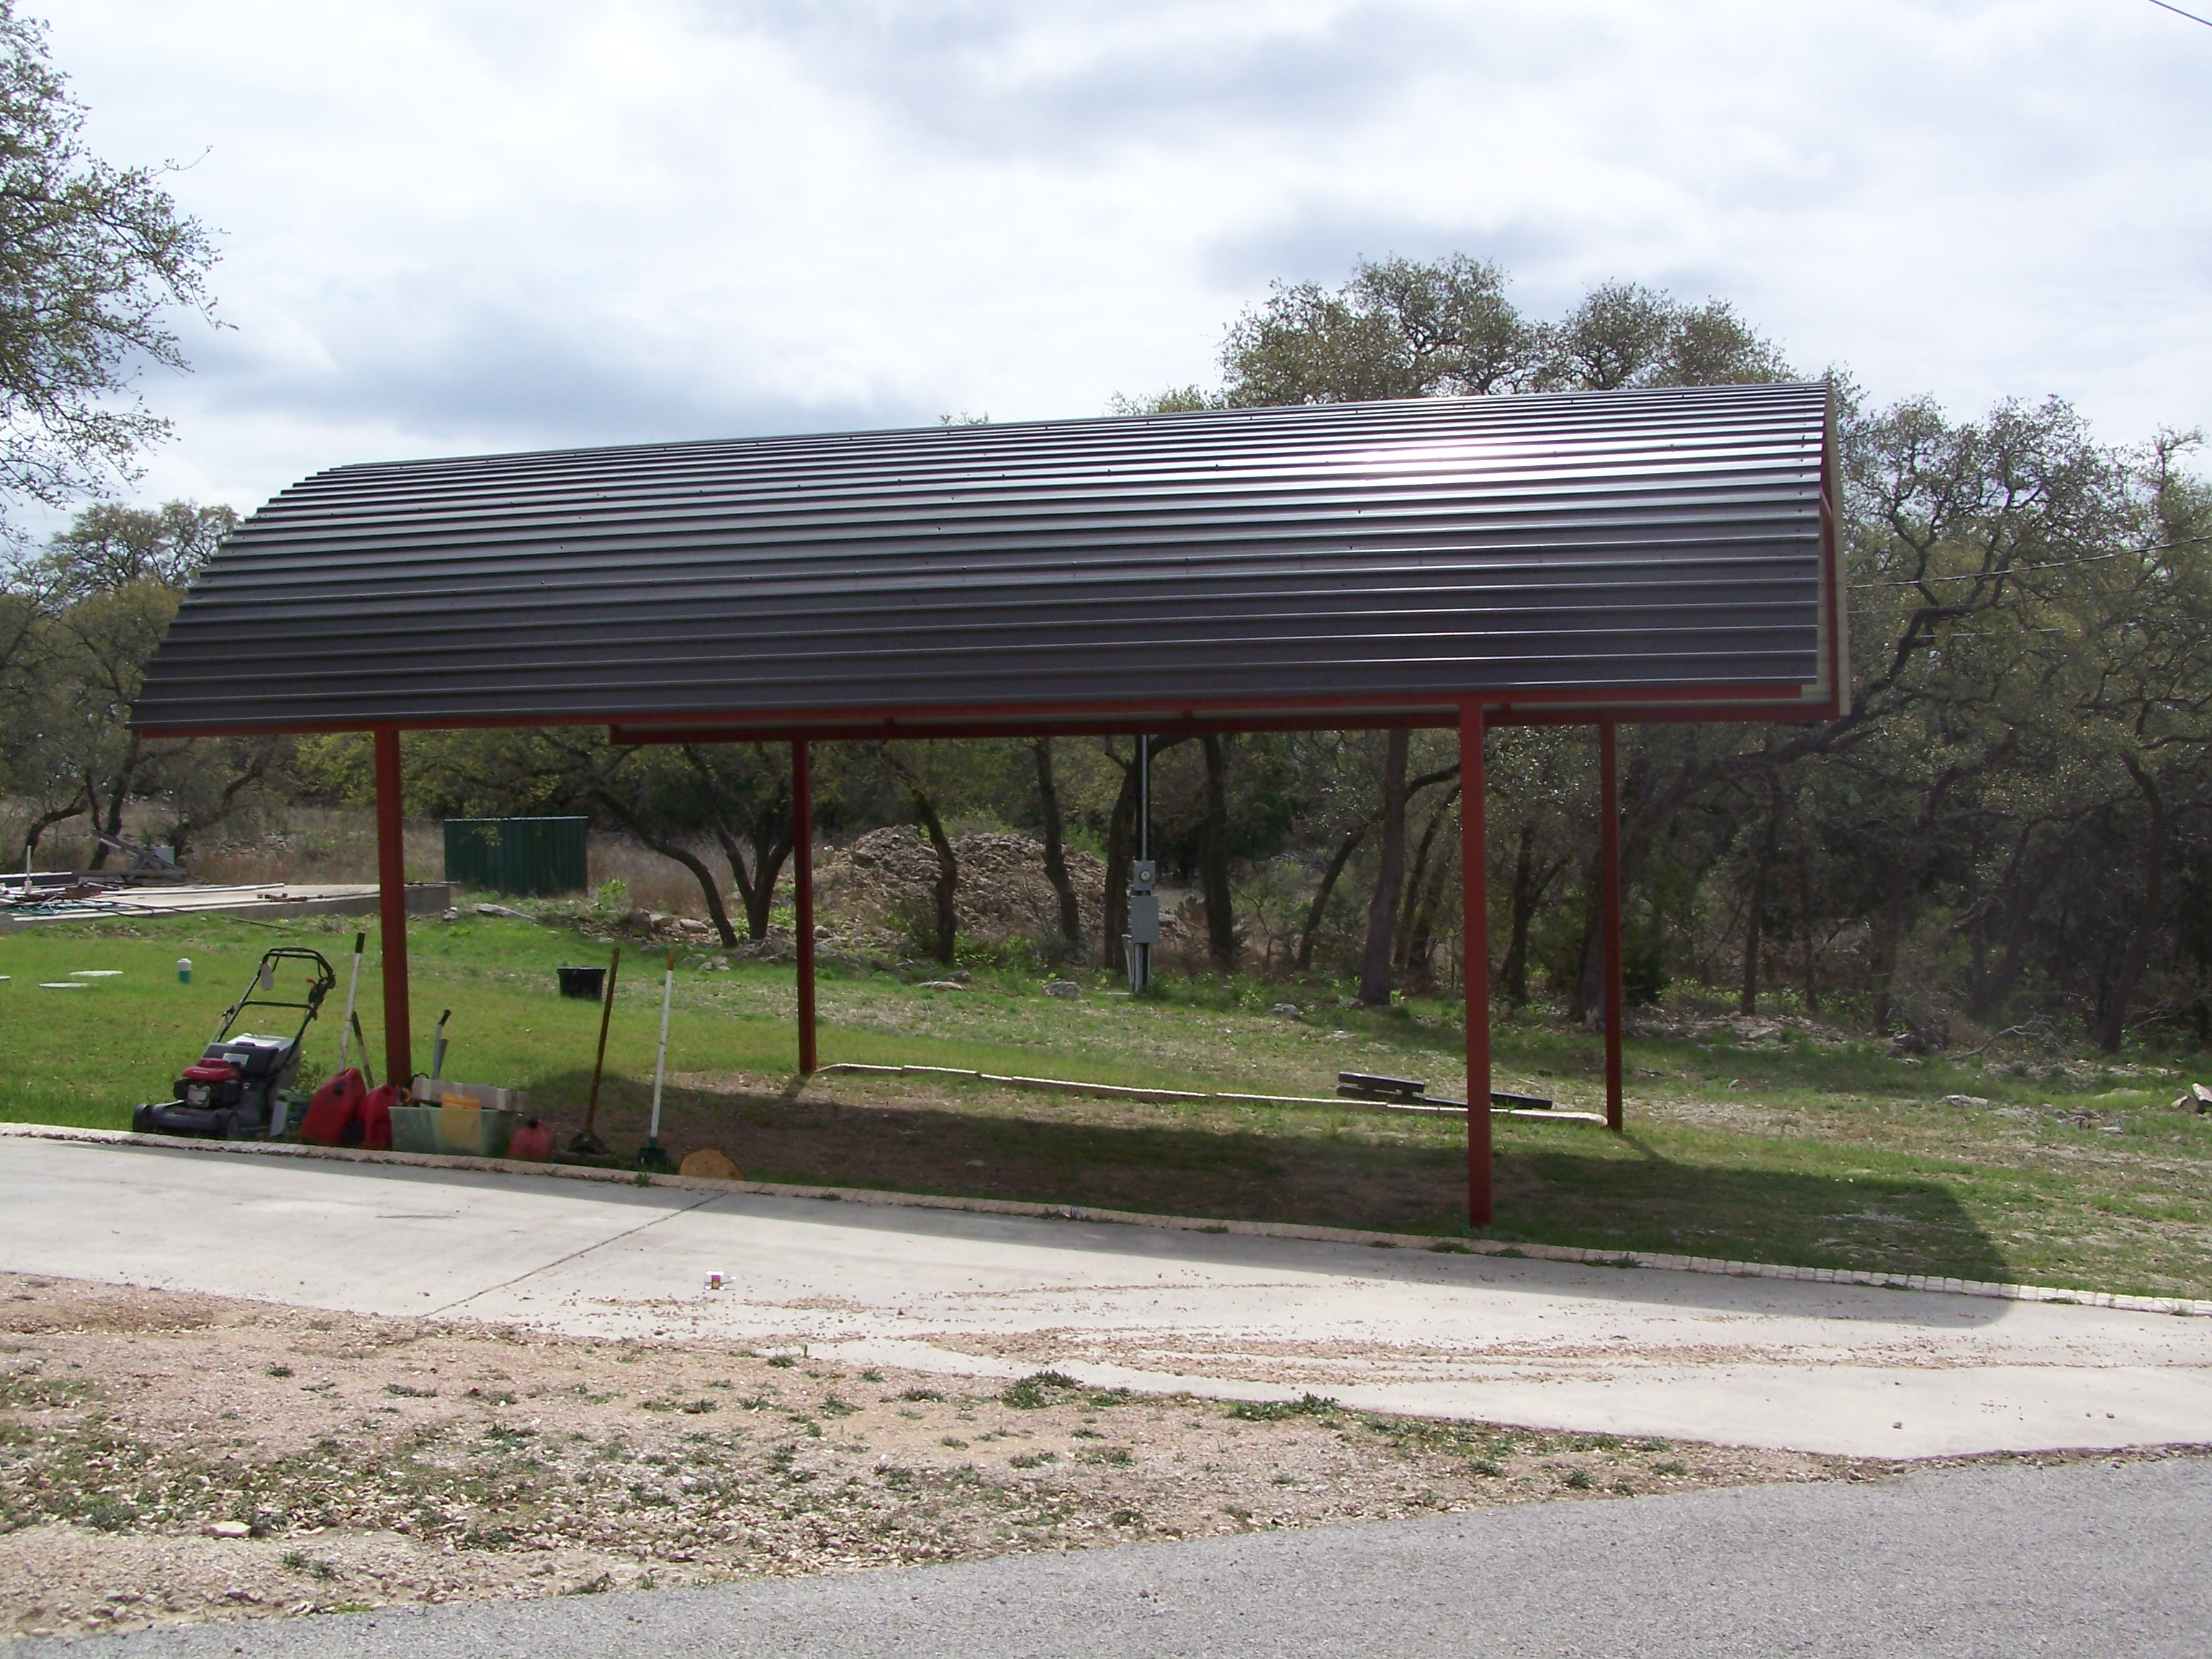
[(535, 856)]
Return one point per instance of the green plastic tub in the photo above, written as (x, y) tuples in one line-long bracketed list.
[(460, 1131)]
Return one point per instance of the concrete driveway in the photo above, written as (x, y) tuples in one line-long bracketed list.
[(1815, 1367)]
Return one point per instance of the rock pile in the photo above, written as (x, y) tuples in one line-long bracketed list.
[(879, 895)]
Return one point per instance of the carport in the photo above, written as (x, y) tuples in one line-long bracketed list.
[(1600, 557)]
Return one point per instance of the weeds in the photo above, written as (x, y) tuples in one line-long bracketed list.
[(1274, 1411), (1035, 1392)]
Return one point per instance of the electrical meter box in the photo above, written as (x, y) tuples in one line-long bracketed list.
[(1144, 903)]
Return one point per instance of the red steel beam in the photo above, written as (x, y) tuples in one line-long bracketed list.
[(1786, 701), (802, 898), (391, 909), (1474, 868), (1124, 724), (1608, 855)]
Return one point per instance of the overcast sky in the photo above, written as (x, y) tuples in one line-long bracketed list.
[(493, 224)]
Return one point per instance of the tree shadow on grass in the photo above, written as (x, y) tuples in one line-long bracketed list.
[(1587, 1189)]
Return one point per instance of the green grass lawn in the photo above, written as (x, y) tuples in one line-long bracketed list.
[(1784, 1149)]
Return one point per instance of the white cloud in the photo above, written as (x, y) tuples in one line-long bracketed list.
[(470, 225)]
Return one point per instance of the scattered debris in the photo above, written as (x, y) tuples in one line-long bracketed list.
[(1744, 1029), (1933, 1038)]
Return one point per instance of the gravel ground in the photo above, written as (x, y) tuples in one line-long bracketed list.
[(169, 1458)]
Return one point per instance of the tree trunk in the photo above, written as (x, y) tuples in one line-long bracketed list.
[(1421, 928), (948, 877), (1805, 921), (1889, 933), (1389, 875), (770, 834), (1320, 905), (1055, 854), (1981, 980), (1589, 982), (44, 822), (184, 831), (1120, 852), (948, 867), (2138, 950), (709, 889), (708, 886), (1513, 972), (93, 817), (1755, 906), (2007, 972), (1213, 872), (1416, 880), (755, 879)]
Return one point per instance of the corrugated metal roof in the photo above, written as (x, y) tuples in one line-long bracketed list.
[(1628, 545)]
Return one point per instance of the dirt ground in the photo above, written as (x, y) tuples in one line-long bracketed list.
[(168, 1458)]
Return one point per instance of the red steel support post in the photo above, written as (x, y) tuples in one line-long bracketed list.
[(802, 898), (1608, 855), (1474, 867), (391, 909)]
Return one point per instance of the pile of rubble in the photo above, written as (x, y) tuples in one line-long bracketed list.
[(879, 895)]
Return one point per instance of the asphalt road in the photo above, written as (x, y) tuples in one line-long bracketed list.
[(2005, 1562)]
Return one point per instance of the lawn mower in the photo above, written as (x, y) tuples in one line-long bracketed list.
[(230, 1093)]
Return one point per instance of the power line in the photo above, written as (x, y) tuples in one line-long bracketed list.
[(2178, 12)]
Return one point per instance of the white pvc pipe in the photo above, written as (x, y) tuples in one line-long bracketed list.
[(661, 1060)]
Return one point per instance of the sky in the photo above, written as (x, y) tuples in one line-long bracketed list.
[(476, 225)]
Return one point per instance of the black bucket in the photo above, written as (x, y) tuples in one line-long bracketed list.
[(587, 984)]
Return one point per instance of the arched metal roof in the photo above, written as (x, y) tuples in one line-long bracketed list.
[(1641, 551)]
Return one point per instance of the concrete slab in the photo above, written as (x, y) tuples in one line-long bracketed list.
[(1842, 1369), (267, 901)]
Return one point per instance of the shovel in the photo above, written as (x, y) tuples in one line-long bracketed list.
[(649, 1156), (588, 1143), (351, 1024)]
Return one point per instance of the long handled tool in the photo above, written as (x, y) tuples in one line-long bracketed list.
[(367, 1072), (438, 1048), (649, 1156), (353, 986), (587, 1143)]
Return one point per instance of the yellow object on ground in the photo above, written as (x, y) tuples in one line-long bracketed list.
[(712, 1164)]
